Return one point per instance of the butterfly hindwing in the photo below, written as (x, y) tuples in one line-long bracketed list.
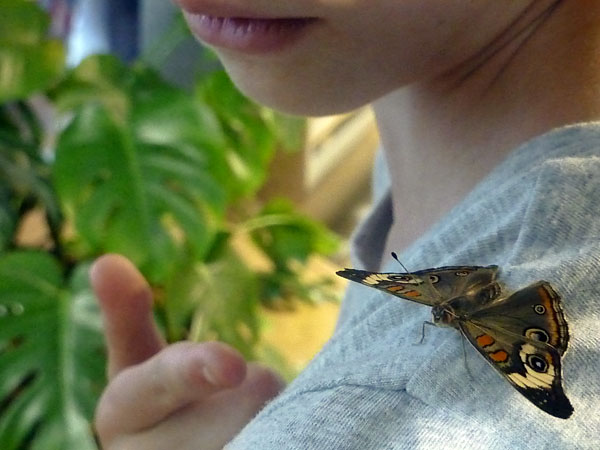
[(534, 312), (532, 367), (524, 336)]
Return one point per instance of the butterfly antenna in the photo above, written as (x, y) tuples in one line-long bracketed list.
[(399, 262)]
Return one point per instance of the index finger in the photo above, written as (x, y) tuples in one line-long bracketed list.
[(126, 302)]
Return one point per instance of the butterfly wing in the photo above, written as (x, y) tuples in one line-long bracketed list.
[(524, 342), (534, 312), (404, 285), (455, 281), (429, 287)]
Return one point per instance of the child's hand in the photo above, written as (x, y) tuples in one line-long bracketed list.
[(181, 396)]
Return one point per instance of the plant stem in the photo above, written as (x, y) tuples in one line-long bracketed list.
[(271, 220)]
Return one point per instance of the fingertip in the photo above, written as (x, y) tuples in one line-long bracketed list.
[(114, 278), (104, 264), (219, 365)]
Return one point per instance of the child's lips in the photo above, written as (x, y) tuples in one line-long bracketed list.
[(248, 34)]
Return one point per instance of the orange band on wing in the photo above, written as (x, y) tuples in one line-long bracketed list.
[(499, 356), (484, 340), (547, 302), (545, 298), (412, 293), (396, 288)]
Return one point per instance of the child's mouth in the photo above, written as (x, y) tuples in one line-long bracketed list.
[(251, 35)]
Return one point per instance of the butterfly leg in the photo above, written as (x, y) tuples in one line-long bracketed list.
[(426, 322), (463, 339)]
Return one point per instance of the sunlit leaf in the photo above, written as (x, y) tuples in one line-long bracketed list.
[(133, 199), (29, 62), (251, 144), (98, 79), (286, 235), (289, 130), (223, 298)]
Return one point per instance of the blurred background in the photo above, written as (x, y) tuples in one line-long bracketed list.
[(120, 133)]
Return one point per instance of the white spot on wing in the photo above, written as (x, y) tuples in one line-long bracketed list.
[(376, 278), (532, 379)]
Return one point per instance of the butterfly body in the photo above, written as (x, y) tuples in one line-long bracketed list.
[(523, 335)]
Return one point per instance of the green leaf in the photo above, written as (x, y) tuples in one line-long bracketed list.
[(289, 130), (24, 175), (22, 22), (158, 112), (284, 287), (251, 142), (20, 128), (286, 235), (288, 238), (149, 203), (51, 362), (27, 182), (168, 118), (220, 299), (29, 61), (98, 79), (8, 219)]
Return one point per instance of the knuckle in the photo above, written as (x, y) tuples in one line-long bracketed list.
[(165, 385), (170, 375)]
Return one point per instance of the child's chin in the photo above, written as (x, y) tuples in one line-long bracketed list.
[(290, 97)]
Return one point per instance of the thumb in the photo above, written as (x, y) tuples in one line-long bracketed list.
[(126, 303)]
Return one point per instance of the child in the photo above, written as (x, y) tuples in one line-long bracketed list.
[(486, 111)]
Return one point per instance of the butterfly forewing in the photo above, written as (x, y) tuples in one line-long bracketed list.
[(409, 286), (429, 287), (454, 281)]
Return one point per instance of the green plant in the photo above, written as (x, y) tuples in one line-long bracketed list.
[(128, 164)]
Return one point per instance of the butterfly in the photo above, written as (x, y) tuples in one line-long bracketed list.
[(523, 335)]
